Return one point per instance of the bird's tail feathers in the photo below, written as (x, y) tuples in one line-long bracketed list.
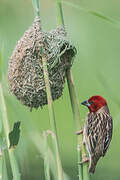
[(92, 164)]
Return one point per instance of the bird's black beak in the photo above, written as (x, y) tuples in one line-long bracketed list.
[(86, 103)]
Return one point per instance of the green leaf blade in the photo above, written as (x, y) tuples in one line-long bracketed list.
[(14, 135), (107, 19), (1, 62)]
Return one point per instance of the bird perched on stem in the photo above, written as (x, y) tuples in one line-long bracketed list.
[(97, 131)]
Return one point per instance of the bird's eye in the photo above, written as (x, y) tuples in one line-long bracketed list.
[(91, 102)]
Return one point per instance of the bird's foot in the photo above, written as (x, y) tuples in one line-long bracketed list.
[(84, 160), (79, 132)]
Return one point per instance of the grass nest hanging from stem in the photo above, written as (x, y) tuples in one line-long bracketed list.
[(25, 71)]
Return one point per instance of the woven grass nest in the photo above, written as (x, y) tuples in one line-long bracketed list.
[(25, 69)]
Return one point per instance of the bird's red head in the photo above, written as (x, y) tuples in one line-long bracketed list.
[(95, 103)]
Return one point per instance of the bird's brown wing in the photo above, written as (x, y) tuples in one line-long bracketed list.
[(93, 132), (99, 134), (108, 133)]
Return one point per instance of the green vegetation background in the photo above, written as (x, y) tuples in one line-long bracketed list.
[(96, 70)]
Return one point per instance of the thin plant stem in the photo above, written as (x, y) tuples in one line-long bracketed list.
[(52, 119), (76, 115), (4, 169), (46, 158), (13, 162), (36, 5), (83, 170), (60, 19), (1, 129), (81, 152), (1, 164)]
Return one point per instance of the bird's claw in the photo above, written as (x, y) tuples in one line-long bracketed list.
[(84, 160), (79, 132)]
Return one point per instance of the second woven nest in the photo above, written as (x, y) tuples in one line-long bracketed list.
[(25, 71)]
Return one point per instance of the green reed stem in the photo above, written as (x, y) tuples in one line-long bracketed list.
[(46, 158), (52, 120), (72, 93), (85, 172), (76, 115), (13, 162), (60, 18), (82, 169), (4, 169), (1, 164), (81, 152), (1, 129), (36, 5)]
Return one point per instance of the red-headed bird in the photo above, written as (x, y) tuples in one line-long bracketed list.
[(97, 131)]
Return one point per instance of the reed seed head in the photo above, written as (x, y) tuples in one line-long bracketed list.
[(25, 69)]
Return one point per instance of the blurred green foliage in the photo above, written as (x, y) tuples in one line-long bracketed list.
[(96, 71)]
